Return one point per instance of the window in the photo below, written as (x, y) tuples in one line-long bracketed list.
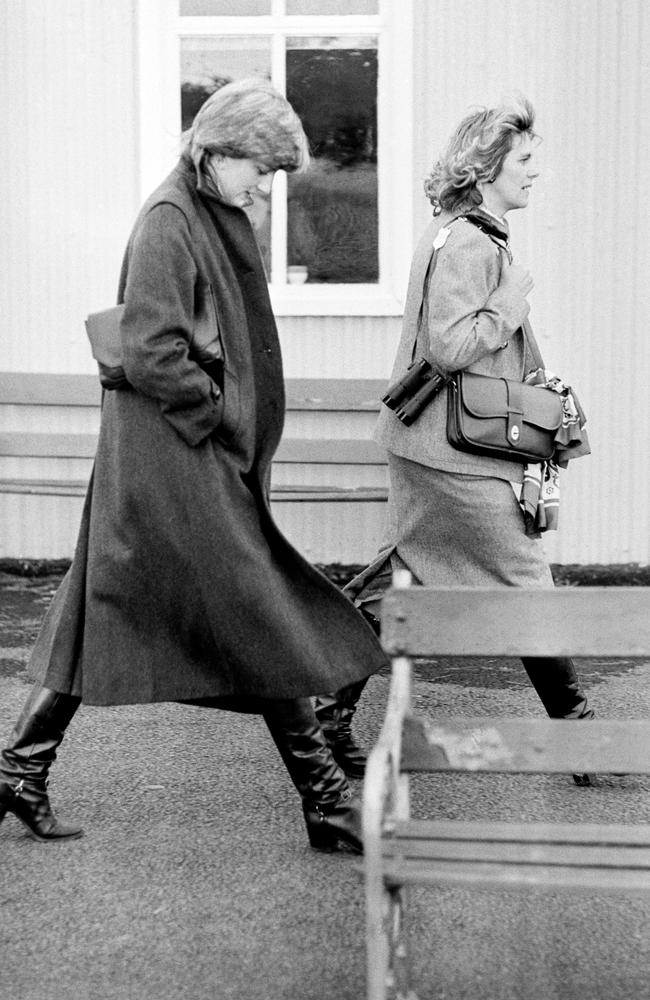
[(328, 237)]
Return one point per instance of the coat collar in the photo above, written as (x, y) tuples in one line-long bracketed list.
[(491, 224)]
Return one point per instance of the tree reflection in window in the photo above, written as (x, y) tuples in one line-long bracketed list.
[(332, 210)]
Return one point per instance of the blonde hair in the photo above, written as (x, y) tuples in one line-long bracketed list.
[(248, 119), (475, 154)]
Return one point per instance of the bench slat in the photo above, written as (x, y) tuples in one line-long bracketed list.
[(502, 832), (570, 621), (525, 745), (293, 451), (547, 877), (45, 487), (331, 494), (528, 852), (22, 445), (59, 389), (279, 494), (347, 394), (44, 389), (330, 451)]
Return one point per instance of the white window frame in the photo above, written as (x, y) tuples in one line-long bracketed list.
[(159, 28)]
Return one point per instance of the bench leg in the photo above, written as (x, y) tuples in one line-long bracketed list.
[(388, 973), (399, 968)]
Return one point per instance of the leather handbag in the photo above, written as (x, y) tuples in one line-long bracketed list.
[(497, 417), (502, 418), (103, 329)]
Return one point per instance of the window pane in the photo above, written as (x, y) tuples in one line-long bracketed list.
[(332, 210), (207, 8), (207, 63), (332, 6)]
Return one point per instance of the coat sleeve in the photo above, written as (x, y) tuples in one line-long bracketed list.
[(468, 315), (158, 321)]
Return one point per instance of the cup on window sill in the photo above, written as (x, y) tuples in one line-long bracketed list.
[(297, 274)]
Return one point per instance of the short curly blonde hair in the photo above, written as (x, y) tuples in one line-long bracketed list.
[(475, 154), (249, 119)]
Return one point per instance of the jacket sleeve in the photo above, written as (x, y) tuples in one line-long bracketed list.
[(158, 321), (468, 315)]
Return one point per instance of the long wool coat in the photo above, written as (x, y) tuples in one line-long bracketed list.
[(182, 587)]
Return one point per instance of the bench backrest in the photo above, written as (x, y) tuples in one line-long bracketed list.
[(351, 396), (582, 622), (45, 389)]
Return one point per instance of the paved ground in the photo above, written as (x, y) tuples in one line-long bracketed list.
[(195, 881)]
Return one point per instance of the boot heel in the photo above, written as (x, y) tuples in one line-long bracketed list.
[(322, 837), (335, 828)]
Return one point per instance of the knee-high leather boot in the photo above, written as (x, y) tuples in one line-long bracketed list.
[(26, 761), (332, 818), (557, 685), (335, 713)]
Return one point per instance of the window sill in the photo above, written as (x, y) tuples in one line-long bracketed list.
[(334, 300)]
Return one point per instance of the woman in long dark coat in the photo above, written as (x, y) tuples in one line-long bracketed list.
[(182, 588)]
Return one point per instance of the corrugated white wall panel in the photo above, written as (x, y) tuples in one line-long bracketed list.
[(338, 346), (37, 527), (68, 187), (68, 194), (345, 533)]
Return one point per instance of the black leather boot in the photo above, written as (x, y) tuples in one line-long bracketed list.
[(557, 685), (335, 713), (25, 764), (334, 827), (332, 817)]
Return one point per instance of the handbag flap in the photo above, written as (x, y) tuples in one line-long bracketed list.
[(103, 329), (485, 396)]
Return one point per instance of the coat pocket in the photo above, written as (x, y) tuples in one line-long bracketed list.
[(231, 416), (207, 348), (206, 344)]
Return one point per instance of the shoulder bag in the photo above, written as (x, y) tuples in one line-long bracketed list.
[(103, 329), (503, 418), (497, 417)]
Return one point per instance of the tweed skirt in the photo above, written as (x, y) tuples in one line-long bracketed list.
[(453, 530)]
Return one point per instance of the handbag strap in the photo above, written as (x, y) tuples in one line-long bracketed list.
[(438, 243), (495, 236)]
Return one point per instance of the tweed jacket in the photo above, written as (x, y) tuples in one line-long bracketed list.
[(467, 322)]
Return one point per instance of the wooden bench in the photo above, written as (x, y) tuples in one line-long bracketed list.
[(338, 459), (401, 851)]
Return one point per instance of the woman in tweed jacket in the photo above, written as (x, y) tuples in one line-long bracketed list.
[(454, 519)]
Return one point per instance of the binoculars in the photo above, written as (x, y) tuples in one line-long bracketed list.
[(409, 395)]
